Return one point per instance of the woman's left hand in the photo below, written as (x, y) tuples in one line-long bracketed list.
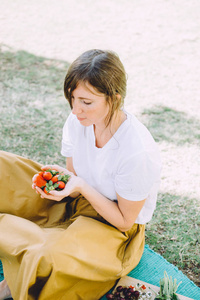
[(72, 186)]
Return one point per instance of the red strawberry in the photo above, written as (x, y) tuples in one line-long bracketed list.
[(61, 185), (47, 176), (39, 181), (54, 179), (45, 190), (41, 173)]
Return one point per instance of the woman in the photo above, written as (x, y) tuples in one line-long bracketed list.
[(75, 243)]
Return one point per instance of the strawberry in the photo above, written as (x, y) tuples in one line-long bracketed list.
[(61, 185), (53, 172), (47, 176), (41, 173), (50, 180), (54, 179), (45, 190), (39, 181)]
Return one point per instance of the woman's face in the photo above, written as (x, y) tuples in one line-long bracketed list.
[(89, 106)]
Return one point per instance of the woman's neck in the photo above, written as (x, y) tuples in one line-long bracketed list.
[(104, 133)]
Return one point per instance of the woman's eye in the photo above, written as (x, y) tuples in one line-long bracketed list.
[(87, 103)]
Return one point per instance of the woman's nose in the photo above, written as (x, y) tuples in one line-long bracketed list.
[(76, 107)]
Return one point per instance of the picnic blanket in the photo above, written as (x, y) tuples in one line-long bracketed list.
[(151, 268)]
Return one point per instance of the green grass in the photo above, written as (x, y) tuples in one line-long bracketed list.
[(174, 233), (33, 111), (33, 108), (172, 126), (174, 229)]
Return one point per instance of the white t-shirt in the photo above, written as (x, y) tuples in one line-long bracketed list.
[(129, 164)]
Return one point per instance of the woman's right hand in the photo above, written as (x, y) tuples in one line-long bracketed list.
[(72, 187)]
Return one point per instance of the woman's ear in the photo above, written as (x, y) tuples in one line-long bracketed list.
[(118, 96)]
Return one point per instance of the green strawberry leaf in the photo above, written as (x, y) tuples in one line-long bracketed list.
[(65, 178), (60, 177), (55, 185), (53, 172), (50, 188)]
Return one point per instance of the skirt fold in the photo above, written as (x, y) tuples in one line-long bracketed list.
[(58, 250)]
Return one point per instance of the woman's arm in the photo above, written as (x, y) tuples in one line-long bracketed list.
[(70, 167), (121, 215)]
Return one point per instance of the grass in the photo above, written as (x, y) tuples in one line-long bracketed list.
[(174, 233), (33, 111), (174, 229), (172, 126)]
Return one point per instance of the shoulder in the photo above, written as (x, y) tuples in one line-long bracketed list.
[(135, 138), (72, 125), (71, 120), (137, 148)]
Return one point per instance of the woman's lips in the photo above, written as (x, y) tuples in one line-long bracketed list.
[(81, 119)]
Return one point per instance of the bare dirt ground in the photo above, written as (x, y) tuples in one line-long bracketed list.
[(158, 42)]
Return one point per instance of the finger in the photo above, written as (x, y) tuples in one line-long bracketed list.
[(51, 167), (61, 170), (49, 197), (34, 177), (59, 193), (33, 186), (40, 191), (44, 195)]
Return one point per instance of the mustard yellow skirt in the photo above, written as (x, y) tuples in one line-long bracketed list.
[(58, 250)]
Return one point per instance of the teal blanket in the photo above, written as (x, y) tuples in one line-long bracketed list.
[(151, 268)]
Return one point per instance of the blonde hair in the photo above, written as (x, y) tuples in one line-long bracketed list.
[(104, 71)]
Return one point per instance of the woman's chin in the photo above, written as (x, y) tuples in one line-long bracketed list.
[(85, 122)]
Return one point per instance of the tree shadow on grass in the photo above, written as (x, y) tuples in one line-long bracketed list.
[(32, 103), (24, 66), (172, 126)]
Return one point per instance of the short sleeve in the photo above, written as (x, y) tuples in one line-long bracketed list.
[(136, 176), (67, 147)]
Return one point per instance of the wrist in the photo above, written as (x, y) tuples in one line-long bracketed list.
[(81, 185)]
